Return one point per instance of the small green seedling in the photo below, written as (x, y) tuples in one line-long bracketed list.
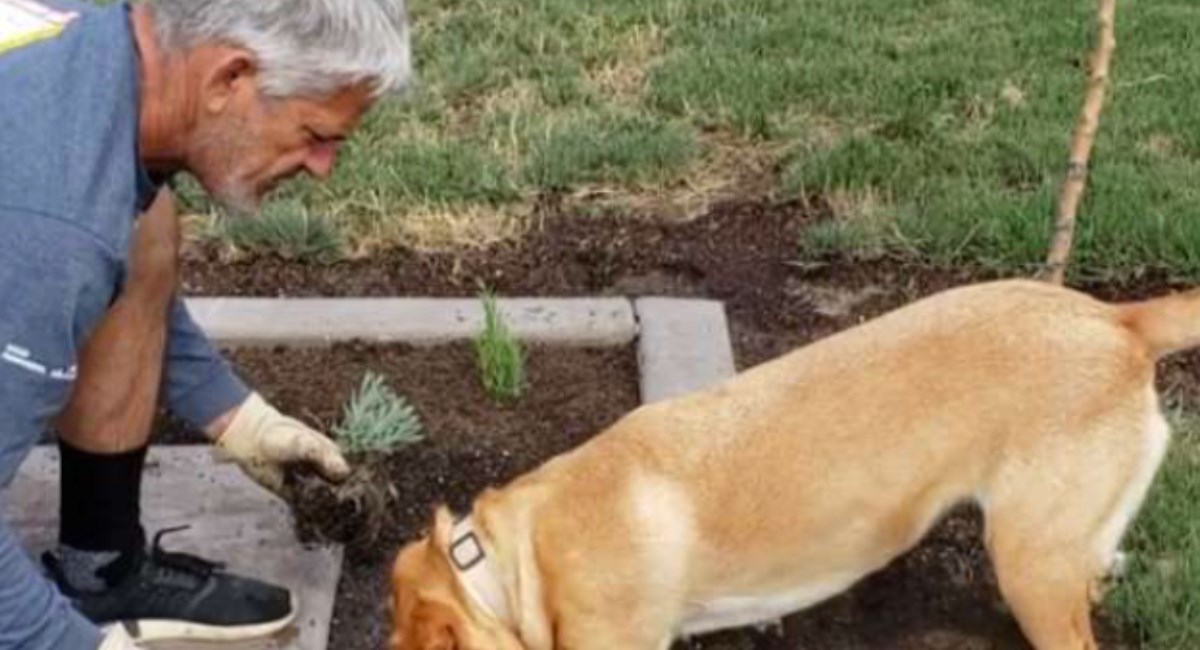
[(377, 420), (499, 355)]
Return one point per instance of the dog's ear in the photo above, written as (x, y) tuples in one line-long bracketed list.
[(435, 628), (443, 529)]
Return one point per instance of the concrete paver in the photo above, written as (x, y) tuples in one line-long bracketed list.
[(232, 521), (683, 346)]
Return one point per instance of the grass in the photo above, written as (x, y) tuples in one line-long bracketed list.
[(286, 229), (499, 355), (1160, 596), (376, 420), (957, 116), (952, 117)]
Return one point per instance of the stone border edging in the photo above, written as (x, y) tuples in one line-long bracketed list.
[(419, 321), (683, 344)]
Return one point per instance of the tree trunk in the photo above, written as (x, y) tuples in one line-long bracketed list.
[(1081, 146)]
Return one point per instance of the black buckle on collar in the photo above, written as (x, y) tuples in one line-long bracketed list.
[(475, 548)]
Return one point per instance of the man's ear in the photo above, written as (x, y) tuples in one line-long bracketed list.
[(230, 71)]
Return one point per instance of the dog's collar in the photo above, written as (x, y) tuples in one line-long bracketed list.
[(475, 572)]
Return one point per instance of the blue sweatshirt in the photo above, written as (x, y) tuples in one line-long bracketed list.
[(71, 187)]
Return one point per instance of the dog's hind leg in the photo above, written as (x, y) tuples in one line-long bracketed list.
[(1048, 592), (1155, 440), (1046, 572), (1055, 520)]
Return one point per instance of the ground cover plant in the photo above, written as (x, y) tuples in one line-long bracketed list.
[(375, 424), (376, 419)]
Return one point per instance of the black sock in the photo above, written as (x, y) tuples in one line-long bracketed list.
[(100, 509)]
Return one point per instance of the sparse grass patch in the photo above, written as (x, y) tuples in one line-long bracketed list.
[(727, 168), (439, 228), (1160, 595), (500, 357), (285, 229), (861, 220), (623, 79)]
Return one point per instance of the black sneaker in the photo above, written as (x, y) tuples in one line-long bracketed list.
[(174, 596)]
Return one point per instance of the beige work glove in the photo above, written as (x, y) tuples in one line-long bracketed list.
[(262, 441), (117, 639)]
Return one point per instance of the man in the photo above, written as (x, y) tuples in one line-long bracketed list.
[(99, 106)]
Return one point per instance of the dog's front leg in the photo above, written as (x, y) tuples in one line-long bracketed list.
[(623, 641)]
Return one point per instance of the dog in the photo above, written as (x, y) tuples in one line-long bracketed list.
[(786, 484)]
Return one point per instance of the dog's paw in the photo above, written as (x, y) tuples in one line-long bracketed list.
[(1119, 565), (774, 627), (1117, 569)]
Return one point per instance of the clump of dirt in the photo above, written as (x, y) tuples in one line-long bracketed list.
[(357, 511)]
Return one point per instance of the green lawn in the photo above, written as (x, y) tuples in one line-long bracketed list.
[(935, 128)]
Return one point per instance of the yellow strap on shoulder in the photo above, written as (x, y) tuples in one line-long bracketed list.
[(24, 21)]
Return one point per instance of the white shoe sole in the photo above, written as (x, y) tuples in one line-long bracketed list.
[(159, 631)]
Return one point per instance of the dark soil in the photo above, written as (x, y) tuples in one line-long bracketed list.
[(940, 596), (470, 442)]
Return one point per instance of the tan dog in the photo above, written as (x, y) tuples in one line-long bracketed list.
[(785, 485)]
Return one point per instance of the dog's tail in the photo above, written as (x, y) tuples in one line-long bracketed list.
[(1166, 324)]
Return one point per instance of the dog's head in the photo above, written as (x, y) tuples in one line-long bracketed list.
[(431, 609)]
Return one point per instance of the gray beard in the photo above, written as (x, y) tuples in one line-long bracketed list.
[(224, 147)]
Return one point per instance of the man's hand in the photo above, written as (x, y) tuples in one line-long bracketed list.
[(263, 441)]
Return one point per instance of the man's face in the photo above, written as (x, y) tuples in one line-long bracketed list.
[(244, 150)]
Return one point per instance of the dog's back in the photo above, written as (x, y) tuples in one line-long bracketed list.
[(822, 465)]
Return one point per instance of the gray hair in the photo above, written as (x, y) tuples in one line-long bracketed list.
[(302, 47)]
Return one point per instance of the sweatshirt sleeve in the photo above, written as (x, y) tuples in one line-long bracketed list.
[(199, 385)]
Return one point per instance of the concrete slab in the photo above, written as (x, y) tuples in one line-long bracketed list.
[(232, 520), (683, 346), (418, 321)]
